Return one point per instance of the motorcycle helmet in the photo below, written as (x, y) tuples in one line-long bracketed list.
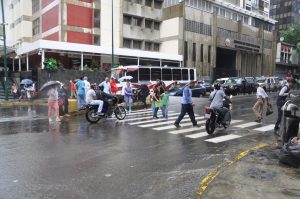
[(217, 86), (94, 86)]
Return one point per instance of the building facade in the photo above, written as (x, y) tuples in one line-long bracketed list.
[(219, 38), (286, 12)]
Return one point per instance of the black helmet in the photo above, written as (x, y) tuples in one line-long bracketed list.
[(94, 86), (217, 86)]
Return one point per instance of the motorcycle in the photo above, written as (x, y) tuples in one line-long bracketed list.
[(214, 118), (113, 107)]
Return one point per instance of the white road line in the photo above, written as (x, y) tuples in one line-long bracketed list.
[(223, 138), (143, 110), (235, 121), (167, 122), (265, 128), (150, 121), (187, 130), (143, 113), (246, 125), (173, 127), (197, 135), (145, 117)]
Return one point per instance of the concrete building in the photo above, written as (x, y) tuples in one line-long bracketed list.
[(219, 38), (286, 12)]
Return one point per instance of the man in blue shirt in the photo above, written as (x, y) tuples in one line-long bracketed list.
[(187, 105)]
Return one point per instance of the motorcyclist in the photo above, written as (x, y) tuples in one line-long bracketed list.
[(91, 98), (106, 98), (216, 98)]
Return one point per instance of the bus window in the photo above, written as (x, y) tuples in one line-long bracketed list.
[(192, 75), (144, 74), (166, 74), (176, 74), (134, 74), (155, 74), (185, 74)]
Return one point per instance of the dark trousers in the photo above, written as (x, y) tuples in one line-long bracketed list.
[(280, 112), (186, 108)]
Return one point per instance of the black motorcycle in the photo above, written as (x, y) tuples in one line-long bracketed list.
[(111, 106), (215, 118)]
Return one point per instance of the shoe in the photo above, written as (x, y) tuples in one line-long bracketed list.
[(276, 128), (196, 125), (258, 120), (225, 125), (50, 120), (67, 115), (177, 125), (58, 120), (156, 117)]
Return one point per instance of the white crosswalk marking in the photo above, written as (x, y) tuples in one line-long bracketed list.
[(150, 121), (144, 117), (187, 130), (197, 135), (173, 127), (143, 110), (265, 128), (167, 122), (247, 125), (223, 138), (140, 113)]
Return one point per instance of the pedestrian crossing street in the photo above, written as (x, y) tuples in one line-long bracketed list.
[(143, 119)]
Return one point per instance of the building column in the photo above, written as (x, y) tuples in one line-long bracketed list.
[(160, 63), (81, 66), (27, 62), (13, 64), (43, 58), (19, 64), (138, 61)]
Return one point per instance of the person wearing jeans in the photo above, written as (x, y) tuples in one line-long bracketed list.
[(81, 93), (187, 105), (128, 97), (155, 98)]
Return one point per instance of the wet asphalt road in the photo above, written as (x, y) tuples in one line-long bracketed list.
[(110, 159)]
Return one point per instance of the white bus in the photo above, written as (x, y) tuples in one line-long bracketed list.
[(149, 74)]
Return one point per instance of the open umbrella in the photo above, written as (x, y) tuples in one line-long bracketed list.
[(26, 81), (49, 84), (125, 78)]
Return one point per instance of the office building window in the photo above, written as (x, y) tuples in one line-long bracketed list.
[(96, 18), (137, 44), (148, 46), (148, 3), (136, 21), (138, 1), (194, 52), (155, 47), (126, 43), (127, 19), (185, 51), (157, 4), (209, 54), (156, 25), (97, 40), (36, 26), (148, 23), (201, 53), (35, 6)]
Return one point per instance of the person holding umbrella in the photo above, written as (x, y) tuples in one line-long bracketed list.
[(53, 102)]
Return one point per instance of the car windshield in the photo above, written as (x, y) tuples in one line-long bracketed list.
[(260, 81), (230, 81), (249, 79), (220, 81), (239, 80)]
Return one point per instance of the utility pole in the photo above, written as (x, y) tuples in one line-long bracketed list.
[(112, 34), (4, 50)]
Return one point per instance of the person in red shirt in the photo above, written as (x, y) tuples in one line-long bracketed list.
[(113, 86), (73, 90)]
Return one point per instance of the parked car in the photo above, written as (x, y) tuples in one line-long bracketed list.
[(197, 91), (230, 86), (252, 82), (208, 86), (270, 83), (243, 85)]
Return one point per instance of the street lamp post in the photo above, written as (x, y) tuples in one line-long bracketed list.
[(112, 34), (4, 50)]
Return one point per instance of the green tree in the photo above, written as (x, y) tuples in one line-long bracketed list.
[(51, 65), (292, 36)]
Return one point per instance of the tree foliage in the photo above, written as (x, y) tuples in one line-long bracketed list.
[(51, 65), (292, 36)]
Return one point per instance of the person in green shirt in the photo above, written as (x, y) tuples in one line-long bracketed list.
[(165, 104)]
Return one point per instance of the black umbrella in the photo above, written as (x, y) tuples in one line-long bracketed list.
[(49, 84), (26, 81)]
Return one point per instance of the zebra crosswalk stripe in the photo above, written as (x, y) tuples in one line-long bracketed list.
[(197, 135), (187, 130), (144, 117), (265, 128), (150, 121), (173, 127), (146, 113), (167, 122), (223, 138), (249, 124)]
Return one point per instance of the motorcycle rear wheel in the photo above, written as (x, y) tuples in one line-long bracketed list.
[(89, 116), (210, 126), (120, 112)]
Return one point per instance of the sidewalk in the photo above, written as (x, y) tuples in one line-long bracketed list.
[(258, 175)]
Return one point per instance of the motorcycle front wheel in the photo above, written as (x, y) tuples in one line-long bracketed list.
[(91, 116), (120, 112), (210, 126)]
